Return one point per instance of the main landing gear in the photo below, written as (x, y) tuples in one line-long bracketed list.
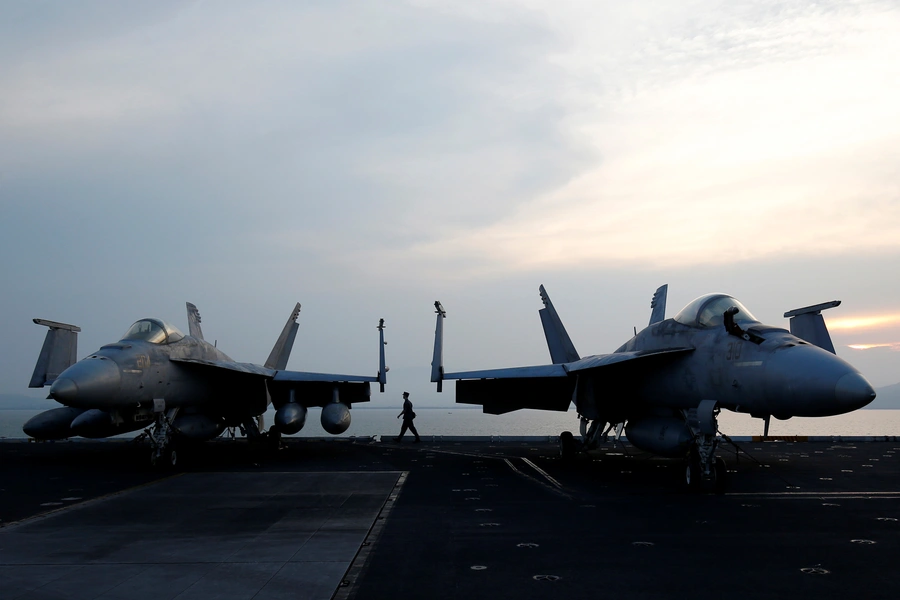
[(162, 440), (703, 470), (593, 433), (713, 480)]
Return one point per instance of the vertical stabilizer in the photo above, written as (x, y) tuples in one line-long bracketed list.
[(382, 368), (194, 321), (658, 304), (808, 324), (437, 360), (561, 348), (57, 354), (281, 352)]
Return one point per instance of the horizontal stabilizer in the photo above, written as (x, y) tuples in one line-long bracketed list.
[(808, 324), (58, 353), (560, 345), (658, 304)]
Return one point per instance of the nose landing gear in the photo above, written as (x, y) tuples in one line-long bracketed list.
[(162, 439), (704, 471)]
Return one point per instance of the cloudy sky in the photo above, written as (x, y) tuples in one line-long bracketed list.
[(366, 159)]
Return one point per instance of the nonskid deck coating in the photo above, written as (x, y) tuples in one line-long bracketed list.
[(200, 535), (477, 520)]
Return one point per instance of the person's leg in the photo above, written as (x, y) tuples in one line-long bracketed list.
[(402, 431), (412, 427)]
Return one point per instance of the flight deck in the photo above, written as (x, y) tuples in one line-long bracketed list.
[(362, 518)]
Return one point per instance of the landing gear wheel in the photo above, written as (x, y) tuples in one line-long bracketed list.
[(274, 438), (693, 473), (567, 446), (692, 476), (720, 473), (172, 457)]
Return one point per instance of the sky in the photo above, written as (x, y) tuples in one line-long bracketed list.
[(366, 159)]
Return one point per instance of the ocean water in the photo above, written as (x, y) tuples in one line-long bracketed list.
[(455, 420)]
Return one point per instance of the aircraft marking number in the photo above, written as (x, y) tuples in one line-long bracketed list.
[(734, 351), (143, 361)]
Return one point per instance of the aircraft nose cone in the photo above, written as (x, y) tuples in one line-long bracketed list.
[(853, 391), (89, 383), (64, 390), (806, 381)]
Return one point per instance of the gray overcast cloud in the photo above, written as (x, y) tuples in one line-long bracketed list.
[(366, 158)]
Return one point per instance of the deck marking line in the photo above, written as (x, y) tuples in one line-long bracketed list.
[(543, 473), (357, 567)]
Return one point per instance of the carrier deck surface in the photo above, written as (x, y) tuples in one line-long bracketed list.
[(359, 518)]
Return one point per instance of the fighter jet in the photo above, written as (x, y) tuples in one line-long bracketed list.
[(181, 387), (666, 385)]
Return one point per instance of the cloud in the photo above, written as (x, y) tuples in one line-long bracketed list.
[(335, 117), (367, 158), (743, 135), (865, 322), (895, 346)]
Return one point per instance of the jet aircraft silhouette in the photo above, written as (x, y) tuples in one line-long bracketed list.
[(181, 387), (666, 385)]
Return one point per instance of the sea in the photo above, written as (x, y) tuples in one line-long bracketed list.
[(470, 421)]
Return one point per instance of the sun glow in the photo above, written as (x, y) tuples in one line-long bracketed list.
[(864, 322), (895, 346)]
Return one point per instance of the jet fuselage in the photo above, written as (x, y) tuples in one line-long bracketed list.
[(763, 371)]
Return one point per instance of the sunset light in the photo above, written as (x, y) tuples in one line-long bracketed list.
[(895, 346), (864, 322)]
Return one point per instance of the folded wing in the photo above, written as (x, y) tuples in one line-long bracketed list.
[(541, 387)]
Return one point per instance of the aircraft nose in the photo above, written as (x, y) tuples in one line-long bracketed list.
[(806, 381), (853, 391), (64, 390), (89, 383)]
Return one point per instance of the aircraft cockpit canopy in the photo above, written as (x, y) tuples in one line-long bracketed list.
[(709, 311), (154, 331)]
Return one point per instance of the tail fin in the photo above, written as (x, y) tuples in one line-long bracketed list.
[(57, 354), (281, 352), (658, 304), (437, 360), (194, 321), (561, 348), (382, 369), (808, 324)]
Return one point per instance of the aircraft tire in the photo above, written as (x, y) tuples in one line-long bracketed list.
[(566, 445), (172, 458), (720, 469), (274, 438), (693, 479)]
